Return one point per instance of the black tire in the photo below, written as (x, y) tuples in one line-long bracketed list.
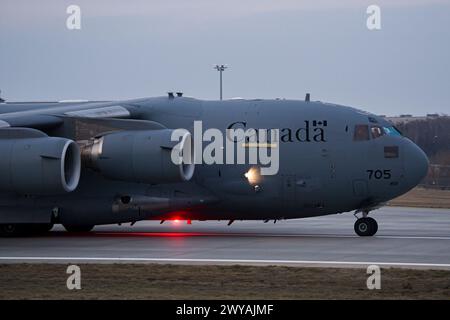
[(78, 228), (374, 225), (366, 227)]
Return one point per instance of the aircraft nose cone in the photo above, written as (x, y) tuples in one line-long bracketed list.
[(416, 164)]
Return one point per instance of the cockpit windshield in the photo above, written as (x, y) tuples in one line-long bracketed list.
[(392, 131), (363, 132)]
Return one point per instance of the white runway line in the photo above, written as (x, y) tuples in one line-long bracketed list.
[(269, 235), (231, 261)]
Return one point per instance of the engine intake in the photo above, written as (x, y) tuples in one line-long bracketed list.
[(39, 165)]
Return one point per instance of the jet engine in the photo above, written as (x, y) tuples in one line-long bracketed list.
[(148, 156), (38, 165)]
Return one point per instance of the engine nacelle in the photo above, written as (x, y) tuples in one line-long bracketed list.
[(39, 165), (140, 156)]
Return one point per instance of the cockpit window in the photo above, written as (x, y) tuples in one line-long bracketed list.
[(392, 131), (376, 131), (361, 132)]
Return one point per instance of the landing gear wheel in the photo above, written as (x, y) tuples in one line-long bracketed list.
[(366, 227), (78, 228)]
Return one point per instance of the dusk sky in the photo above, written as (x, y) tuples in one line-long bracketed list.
[(137, 48)]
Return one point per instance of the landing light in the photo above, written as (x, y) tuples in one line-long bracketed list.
[(253, 175)]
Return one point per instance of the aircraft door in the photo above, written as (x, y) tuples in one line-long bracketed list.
[(311, 185)]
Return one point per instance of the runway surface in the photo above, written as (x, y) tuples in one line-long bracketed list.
[(407, 237)]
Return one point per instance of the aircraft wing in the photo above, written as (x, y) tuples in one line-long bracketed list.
[(80, 121), (49, 115)]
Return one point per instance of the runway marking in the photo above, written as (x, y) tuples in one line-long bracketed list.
[(230, 261), (205, 234), (414, 237)]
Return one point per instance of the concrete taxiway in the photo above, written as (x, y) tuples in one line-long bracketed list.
[(407, 237)]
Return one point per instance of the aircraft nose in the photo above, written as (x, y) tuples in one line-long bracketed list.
[(416, 164)]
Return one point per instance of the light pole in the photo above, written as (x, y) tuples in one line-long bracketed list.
[(221, 68)]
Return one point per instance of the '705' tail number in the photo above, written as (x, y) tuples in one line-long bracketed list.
[(379, 174)]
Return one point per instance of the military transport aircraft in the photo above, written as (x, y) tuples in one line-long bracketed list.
[(82, 164)]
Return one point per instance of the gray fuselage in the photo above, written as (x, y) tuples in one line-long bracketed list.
[(325, 166)]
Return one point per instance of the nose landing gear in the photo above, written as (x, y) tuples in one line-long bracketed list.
[(365, 226)]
